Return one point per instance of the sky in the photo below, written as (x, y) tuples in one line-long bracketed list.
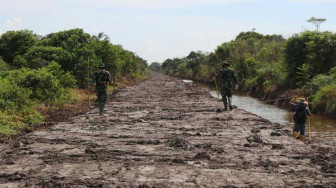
[(159, 29)]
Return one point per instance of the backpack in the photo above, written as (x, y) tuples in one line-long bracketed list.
[(101, 77), (300, 114), (227, 78)]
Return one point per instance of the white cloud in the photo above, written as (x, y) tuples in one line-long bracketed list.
[(125, 4), (13, 24), (31, 5), (1, 32), (155, 4)]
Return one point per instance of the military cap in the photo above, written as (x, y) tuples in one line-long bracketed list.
[(225, 64), (101, 65)]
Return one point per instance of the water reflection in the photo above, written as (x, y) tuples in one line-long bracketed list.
[(321, 126), (272, 113), (187, 81)]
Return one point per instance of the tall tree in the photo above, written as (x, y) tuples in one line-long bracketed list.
[(13, 43), (155, 66), (317, 22)]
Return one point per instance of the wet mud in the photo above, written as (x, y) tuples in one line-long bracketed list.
[(165, 133)]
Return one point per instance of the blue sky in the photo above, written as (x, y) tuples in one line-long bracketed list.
[(161, 29)]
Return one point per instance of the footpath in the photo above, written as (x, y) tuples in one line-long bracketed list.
[(165, 133)]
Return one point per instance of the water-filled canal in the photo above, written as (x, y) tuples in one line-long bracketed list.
[(321, 126)]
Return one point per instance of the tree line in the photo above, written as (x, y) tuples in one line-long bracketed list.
[(304, 63), (37, 70)]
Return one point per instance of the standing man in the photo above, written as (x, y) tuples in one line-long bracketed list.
[(228, 81), (301, 111), (103, 79)]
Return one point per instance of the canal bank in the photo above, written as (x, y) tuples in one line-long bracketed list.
[(322, 127)]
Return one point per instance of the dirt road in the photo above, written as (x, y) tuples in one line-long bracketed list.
[(165, 133)]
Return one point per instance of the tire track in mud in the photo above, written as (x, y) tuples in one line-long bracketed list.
[(165, 133)]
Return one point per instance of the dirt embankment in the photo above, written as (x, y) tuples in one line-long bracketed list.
[(281, 97), (165, 133)]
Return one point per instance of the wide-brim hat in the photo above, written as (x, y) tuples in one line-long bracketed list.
[(101, 65), (303, 101)]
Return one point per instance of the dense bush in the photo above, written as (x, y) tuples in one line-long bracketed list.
[(12, 96), (66, 80), (323, 92), (42, 56), (315, 52), (13, 43), (325, 98), (16, 108), (37, 70), (44, 87), (3, 65), (318, 82)]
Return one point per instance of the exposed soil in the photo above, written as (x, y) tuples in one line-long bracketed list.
[(165, 133), (57, 115)]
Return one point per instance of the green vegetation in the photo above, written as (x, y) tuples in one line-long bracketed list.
[(155, 66), (266, 63), (45, 70)]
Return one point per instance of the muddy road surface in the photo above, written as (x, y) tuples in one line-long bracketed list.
[(165, 133)]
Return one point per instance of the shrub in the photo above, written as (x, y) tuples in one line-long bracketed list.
[(42, 56), (4, 68), (318, 82), (13, 97), (3, 65), (44, 86), (326, 96), (16, 108), (65, 78)]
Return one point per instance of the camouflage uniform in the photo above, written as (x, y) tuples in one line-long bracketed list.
[(227, 82), (102, 77)]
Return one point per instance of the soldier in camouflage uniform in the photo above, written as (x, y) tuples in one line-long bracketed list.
[(102, 78), (228, 81)]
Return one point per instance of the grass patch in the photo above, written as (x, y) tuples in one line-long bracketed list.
[(12, 123), (78, 95)]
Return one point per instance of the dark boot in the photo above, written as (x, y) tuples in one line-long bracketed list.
[(230, 100), (101, 107), (225, 103)]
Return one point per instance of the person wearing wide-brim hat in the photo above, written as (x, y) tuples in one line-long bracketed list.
[(228, 81), (103, 79), (303, 101), (301, 111)]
